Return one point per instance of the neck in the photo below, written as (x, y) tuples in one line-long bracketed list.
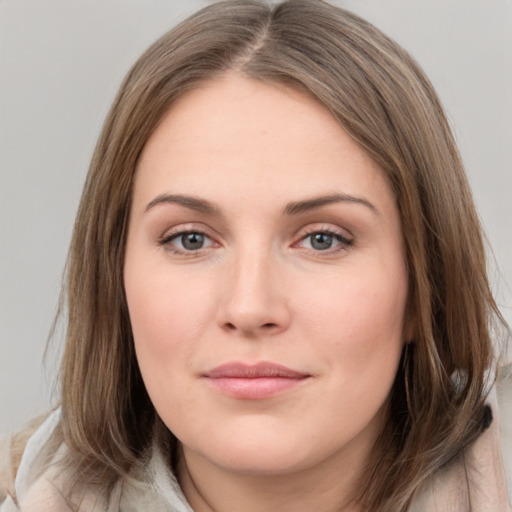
[(328, 488)]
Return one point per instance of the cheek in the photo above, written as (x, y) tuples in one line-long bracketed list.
[(168, 316), (168, 319), (357, 331), (360, 307), (360, 318)]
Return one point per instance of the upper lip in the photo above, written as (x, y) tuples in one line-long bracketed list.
[(237, 370)]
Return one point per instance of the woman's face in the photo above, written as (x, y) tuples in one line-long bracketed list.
[(266, 281)]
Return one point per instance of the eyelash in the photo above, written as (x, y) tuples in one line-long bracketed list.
[(169, 237), (344, 242)]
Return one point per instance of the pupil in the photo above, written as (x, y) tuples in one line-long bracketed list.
[(321, 241), (192, 241)]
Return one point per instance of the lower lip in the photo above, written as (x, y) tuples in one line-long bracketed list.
[(254, 388)]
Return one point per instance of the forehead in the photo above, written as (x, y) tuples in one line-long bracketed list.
[(237, 137)]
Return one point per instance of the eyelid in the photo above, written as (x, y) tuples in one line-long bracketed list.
[(183, 229), (323, 227), (174, 236), (344, 240)]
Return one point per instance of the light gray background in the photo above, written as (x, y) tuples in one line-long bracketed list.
[(61, 62)]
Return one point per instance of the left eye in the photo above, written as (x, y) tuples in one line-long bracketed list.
[(190, 241), (323, 241)]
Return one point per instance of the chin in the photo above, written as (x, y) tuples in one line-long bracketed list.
[(262, 452), (263, 461)]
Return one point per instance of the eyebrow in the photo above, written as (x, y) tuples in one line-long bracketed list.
[(193, 203), (293, 208), (307, 205)]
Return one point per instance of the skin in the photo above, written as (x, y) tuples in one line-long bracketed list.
[(260, 289)]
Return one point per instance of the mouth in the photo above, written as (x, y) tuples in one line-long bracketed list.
[(254, 381)]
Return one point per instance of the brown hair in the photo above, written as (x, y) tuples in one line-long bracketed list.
[(383, 100)]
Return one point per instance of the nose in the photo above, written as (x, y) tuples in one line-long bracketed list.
[(254, 302)]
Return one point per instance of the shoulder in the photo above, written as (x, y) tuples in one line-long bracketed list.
[(11, 452), (26, 459), (481, 479), (38, 479)]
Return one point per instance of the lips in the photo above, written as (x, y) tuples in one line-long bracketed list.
[(254, 382)]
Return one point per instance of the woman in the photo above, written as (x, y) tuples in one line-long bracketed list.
[(276, 289)]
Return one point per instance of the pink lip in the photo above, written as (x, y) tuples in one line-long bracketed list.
[(255, 381)]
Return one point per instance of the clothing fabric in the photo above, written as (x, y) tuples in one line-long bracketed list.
[(475, 483)]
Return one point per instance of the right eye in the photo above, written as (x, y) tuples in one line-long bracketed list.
[(187, 241)]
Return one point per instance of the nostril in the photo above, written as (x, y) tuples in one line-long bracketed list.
[(267, 326)]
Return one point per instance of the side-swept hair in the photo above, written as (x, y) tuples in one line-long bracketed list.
[(380, 96)]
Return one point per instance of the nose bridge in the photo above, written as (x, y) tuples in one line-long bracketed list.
[(253, 300), (252, 277)]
